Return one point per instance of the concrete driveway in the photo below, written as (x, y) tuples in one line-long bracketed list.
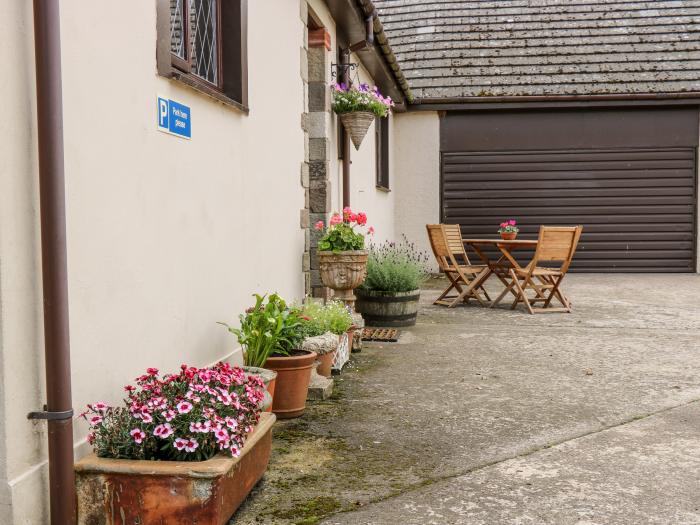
[(494, 416)]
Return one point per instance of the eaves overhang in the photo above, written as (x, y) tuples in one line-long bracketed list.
[(377, 58)]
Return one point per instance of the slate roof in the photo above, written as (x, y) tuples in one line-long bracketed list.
[(368, 9), (504, 48)]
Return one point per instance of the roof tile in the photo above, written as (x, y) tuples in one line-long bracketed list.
[(473, 48)]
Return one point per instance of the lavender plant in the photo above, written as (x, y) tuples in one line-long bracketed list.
[(396, 267)]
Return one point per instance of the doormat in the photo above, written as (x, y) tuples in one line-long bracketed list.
[(386, 335)]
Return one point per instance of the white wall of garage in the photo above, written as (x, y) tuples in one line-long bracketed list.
[(417, 181)]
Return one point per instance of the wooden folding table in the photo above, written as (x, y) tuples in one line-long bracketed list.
[(500, 267)]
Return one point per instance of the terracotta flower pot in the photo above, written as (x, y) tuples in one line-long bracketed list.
[(292, 385), (509, 236), (269, 377), (116, 491), (325, 363), (343, 272), (356, 124)]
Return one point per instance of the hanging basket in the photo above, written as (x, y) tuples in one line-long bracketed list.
[(356, 124)]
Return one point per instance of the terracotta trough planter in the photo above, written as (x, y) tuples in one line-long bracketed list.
[(292, 385), (118, 491)]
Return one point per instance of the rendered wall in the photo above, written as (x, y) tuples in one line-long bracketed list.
[(165, 236), (21, 352), (417, 182), (364, 196)]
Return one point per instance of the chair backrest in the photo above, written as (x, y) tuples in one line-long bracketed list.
[(557, 244), (453, 235), (446, 243), (438, 244)]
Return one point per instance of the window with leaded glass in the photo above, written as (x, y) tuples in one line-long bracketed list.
[(207, 42), (194, 37)]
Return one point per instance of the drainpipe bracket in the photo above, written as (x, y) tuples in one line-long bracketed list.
[(51, 415)]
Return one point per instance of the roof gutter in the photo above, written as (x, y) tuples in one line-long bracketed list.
[(382, 41), (359, 29), (443, 103), (58, 410)]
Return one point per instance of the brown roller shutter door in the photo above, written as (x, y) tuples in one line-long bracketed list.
[(628, 176)]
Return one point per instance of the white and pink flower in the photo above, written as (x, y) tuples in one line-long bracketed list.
[(184, 407), (180, 443), (192, 397), (95, 420), (221, 434), (163, 431), (157, 403), (100, 406), (200, 427), (138, 435), (191, 445)]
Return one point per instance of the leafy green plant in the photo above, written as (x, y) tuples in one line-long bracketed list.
[(338, 317), (268, 328), (395, 267), (349, 99), (340, 236), (331, 317), (340, 239), (311, 323)]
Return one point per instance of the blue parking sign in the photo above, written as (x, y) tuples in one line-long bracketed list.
[(174, 118)]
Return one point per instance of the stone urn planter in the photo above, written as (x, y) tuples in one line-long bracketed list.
[(388, 309), (292, 384), (343, 272), (356, 124), (269, 377), (118, 491)]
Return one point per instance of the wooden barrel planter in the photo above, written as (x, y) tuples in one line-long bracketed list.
[(387, 308)]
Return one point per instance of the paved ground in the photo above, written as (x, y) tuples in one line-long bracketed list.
[(493, 416)]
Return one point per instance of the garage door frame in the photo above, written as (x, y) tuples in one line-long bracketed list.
[(595, 128)]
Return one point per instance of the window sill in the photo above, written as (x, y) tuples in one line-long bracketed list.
[(383, 189), (202, 87)]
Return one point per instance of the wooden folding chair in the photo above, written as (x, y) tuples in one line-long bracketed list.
[(464, 277), (556, 244)]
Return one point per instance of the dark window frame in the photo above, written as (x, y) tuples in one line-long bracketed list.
[(231, 87), (381, 133), (185, 65)]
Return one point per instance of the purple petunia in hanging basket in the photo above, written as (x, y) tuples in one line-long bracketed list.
[(357, 108)]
